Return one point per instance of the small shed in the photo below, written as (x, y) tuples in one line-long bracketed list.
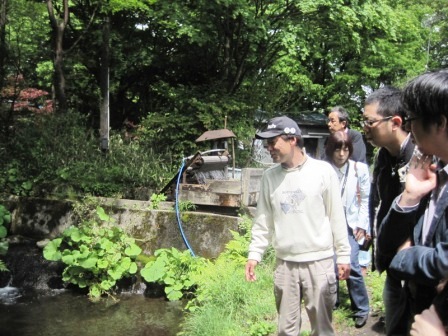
[(314, 131)]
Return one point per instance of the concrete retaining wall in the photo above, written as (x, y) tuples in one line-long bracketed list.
[(207, 233)]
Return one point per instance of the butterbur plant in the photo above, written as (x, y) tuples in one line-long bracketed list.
[(5, 218), (175, 270), (96, 253)]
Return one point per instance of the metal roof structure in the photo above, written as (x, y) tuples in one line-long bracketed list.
[(216, 134)]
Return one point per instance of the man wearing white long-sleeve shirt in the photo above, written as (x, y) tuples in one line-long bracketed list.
[(300, 212)]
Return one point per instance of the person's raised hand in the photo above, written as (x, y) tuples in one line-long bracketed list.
[(421, 178)]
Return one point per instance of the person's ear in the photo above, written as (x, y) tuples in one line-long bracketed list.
[(293, 140), (397, 121), (443, 123)]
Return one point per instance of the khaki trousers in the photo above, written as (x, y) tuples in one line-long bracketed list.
[(315, 283)]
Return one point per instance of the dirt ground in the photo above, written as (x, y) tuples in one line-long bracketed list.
[(373, 327)]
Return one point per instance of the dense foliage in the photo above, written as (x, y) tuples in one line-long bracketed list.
[(168, 71), (58, 156)]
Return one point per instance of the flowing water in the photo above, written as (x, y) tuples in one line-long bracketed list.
[(69, 314)]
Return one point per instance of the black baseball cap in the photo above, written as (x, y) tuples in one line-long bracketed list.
[(278, 126)]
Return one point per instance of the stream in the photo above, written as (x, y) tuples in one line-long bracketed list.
[(63, 312)]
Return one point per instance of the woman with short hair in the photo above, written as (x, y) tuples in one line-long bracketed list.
[(355, 188)]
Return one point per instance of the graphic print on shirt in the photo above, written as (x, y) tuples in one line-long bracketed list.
[(290, 201)]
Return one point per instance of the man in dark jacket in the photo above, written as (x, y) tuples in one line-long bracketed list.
[(417, 223), (383, 127)]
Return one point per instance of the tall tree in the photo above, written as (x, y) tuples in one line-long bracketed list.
[(59, 19), (184, 66), (3, 46), (104, 86), (437, 40)]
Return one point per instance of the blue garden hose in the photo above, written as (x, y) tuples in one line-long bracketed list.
[(179, 221)]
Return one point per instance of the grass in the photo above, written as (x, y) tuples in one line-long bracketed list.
[(229, 306), (374, 283)]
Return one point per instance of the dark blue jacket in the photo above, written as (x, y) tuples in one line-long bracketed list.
[(424, 264)]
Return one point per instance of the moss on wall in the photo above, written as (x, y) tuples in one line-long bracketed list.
[(206, 233)]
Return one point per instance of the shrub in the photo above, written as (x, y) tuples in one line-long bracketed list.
[(58, 155), (96, 253)]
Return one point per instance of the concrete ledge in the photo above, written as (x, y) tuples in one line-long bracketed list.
[(207, 233)]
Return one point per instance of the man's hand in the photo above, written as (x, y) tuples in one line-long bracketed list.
[(343, 271), (420, 179), (250, 270), (405, 245), (359, 233), (427, 323)]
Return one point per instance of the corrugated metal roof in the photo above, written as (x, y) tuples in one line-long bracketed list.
[(216, 134)]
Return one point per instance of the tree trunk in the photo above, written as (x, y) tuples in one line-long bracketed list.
[(104, 87), (3, 51), (58, 27)]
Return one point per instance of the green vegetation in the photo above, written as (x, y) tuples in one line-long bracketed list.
[(261, 58), (228, 305), (219, 299), (186, 205), (44, 161), (175, 271), (225, 303), (375, 284), (156, 199), (5, 219), (96, 253)]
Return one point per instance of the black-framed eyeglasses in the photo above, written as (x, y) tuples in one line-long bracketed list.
[(408, 119), (370, 123)]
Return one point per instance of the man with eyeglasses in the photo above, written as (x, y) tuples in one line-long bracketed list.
[(338, 120), (418, 218), (300, 212), (383, 127)]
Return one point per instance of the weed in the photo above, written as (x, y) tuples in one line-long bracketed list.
[(186, 206), (156, 199)]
